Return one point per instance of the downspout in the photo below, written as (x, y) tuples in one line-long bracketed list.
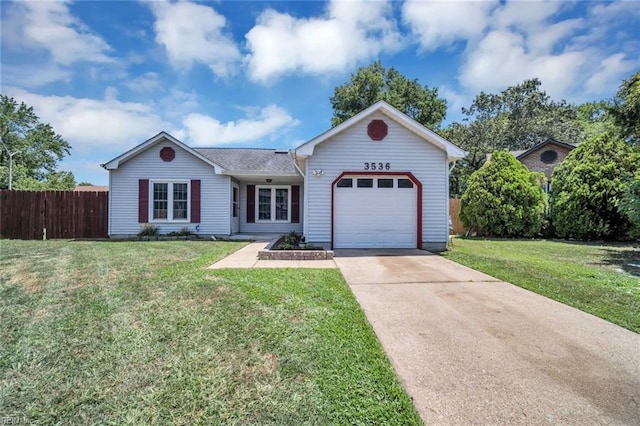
[(449, 221), (292, 153)]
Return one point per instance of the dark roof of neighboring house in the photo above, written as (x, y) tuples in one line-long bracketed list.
[(250, 160), (91, 188), (524, 153)]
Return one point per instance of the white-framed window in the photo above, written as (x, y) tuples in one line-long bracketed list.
[(273, 203), (170, 201), (236, 202)]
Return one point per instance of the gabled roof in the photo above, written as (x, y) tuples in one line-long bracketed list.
[(453, 152), (246, 161), (521, 154), (115, 163)]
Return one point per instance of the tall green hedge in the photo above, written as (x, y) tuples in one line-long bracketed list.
[(504, 199), (588, 187), (630, 205)]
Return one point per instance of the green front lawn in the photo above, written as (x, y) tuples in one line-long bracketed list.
[(603, 280), (142, 332)]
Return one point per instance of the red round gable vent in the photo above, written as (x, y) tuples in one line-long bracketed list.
[(167, 154), (377, 130)]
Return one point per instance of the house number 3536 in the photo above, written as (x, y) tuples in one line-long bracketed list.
[(377, 166)]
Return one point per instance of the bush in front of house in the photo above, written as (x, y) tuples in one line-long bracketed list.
[(504, 199), (588, 187)]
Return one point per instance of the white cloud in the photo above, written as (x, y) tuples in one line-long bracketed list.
[(351, 31), (611, 72), (544, 39), (32, 77), (203, 130), (193, 33), (146, 82), (439, 24), (455, 102), (525, 15), (90, 123), (49, 25), (501, 59)]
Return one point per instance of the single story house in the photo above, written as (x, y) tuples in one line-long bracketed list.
[(379, 179), (544, 157)]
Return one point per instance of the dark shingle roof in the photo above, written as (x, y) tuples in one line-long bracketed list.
[(250, 161)]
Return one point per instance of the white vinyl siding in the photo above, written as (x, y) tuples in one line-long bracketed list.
[(402, 149), (215, 192)]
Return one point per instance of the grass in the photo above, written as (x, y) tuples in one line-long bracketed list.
[(143, 333), (602, 279)]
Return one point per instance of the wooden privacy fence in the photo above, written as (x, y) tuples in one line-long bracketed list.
[(64, 214), (457, 227)]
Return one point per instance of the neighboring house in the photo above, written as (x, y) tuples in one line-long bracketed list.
[(91, 188), (380, 179), (544, 157)]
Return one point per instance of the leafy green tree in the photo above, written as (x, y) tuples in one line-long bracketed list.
[(39, 147), (595, 118), (630, 205), (626, 108), (524, 115), (60, 181), (588, 186), (374, 83), (517, 118), (504, 199)]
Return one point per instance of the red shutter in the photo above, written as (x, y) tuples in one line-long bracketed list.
[(295, 204), (195, 201), (143, 201), (251, 203)]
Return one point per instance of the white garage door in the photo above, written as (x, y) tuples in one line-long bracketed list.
[(375, 211)]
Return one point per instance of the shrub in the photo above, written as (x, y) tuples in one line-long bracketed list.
[(183, 232), (588, 186), (630, 205), (149, 231), (504, 199)]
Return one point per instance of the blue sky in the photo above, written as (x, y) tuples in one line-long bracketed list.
[(107, 75)]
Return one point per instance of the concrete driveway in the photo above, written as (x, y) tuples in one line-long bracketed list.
[(471, 349)]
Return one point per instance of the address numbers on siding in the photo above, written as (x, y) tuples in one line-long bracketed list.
[(377, 166)]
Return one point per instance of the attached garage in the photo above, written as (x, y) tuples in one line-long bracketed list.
[(376, 211), (377, 180)]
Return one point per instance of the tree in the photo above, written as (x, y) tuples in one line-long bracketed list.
[(626, 108), (517, 118), (588, 186), (595, 118), (630, 205), (374, 83), (40, 148), (59, 181), (504, 199)]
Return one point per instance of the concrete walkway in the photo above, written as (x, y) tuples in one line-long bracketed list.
[(471, 349), (247, 257)]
